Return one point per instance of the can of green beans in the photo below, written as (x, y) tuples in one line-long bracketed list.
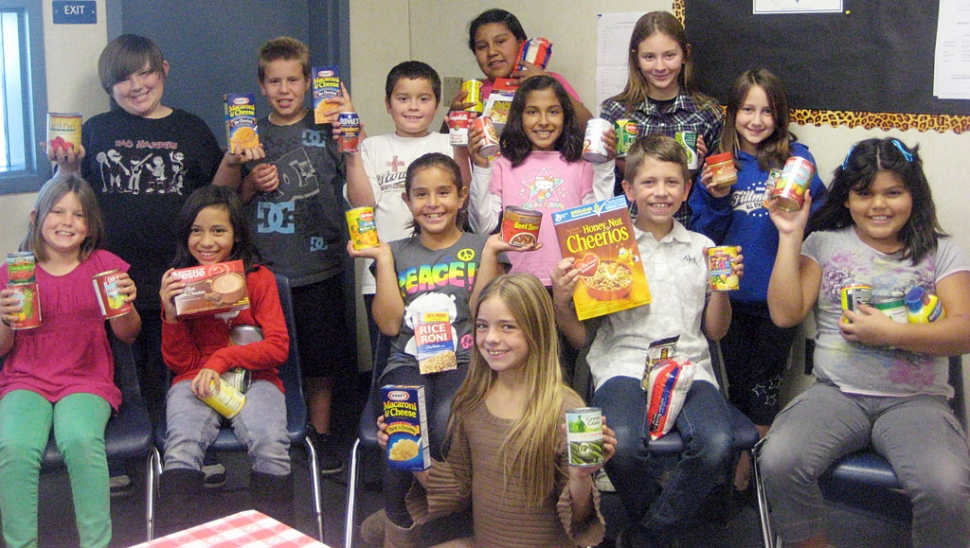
[(584, 436)]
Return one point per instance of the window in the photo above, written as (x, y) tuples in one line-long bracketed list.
[(23, 97)]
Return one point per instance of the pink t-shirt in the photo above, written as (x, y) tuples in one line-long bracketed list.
[(69, 352)]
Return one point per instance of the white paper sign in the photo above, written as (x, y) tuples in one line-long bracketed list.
[(797, 6)]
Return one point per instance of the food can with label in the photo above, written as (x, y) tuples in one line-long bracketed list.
[(64, 130), (520, 226), (584, 436), (458, 122), (228, 401), (795, 179), (20, 268), (854, 294), (29, 316), (594, 149), (363, 229), (490, 146), (626, 135), (473, 94), (349, 131), (720, 261), (688, 140), (723, 172), (112, 302), (894, 307)]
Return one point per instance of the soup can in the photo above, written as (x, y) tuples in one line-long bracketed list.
[(720, 261), (20, 268), (854, 294), (349, 131), (228, 401), (626, 135), (795, 179), (473, 94), (688, 140), (594, 149), (363, 228), (584, 436), (894, 307), (112, 302), (520, 226), (64, 130), (490, 146), (773, 176), (29, 316), (458, 123)]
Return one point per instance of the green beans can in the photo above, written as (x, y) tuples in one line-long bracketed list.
[(584, 436)]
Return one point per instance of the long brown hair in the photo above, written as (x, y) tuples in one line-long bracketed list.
[(776, 148), (51, 193)]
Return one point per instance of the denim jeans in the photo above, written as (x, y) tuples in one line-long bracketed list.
[(260, 424), (703, 469)]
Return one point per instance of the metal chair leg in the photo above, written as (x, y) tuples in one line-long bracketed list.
[(763, 510), (315, 485), (153, 473), (352, 494)]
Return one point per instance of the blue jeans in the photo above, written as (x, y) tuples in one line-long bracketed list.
[(704, 469), (261, 425)]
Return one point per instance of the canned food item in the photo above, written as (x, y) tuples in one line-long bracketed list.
[(363, 229), (349, 131), (854, 294), (723, 172), (795, 179), (241, 130), (239, 378), (228, 401), (720, 262), (520, 226), (688, 140), (241, 335), (536, 51), (458, 123), (594, 149), (473, 94), (626, 135), (64, 130), (112, 302), (490, 146), (894, 307), (20, 268), (773, 176), (584, 436), (29, 316), (326, 86)]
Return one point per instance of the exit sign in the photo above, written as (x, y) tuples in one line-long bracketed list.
[(75, 13)]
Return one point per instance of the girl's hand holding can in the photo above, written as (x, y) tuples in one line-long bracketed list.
[(10, 307), (126, 287), (564, 280), (707, 179), (609, 449), (788, 222), (476, 138), (203, 381), (373, 252)]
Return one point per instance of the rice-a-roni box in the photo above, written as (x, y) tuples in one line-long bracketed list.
[(406, 418), (600, 237), (211, 289)]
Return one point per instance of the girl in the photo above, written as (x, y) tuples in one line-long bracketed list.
[(879, 382), (506, 450), (660, 94), (61, 373), (212, 228), (439, 269), (755, 350), (541, 168)]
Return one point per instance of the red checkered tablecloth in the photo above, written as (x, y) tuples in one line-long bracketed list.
[(249, 529)]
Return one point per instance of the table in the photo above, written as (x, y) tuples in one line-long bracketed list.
[(247, 529)]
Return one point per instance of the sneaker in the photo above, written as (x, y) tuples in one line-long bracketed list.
[(603, 483), (120, 485), (327, 457), (215, 474)]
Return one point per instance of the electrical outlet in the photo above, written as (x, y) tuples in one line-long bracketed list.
[(450, 86)]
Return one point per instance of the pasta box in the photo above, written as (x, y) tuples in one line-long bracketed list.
[(406, 417), (211, 289)]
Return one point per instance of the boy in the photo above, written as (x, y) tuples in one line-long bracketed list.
[(293, 195), (657, 179)]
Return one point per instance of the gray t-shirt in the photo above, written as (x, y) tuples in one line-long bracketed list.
[(858, 368)]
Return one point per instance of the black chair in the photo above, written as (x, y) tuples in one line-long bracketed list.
[(296, 412), (863, 481)]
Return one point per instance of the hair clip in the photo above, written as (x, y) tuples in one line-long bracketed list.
[(845, 163), (906, 154)]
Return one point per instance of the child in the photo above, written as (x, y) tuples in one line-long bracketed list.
[(755, 350), (438, 268), (879, 382), (674, 259), (295, 204), (660, 94), (61, 373), (506, 450), (212, 228), (541, 168)]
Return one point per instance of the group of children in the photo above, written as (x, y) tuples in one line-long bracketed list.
[(495, 421)]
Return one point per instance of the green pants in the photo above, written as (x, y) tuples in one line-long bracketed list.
[(25, 424)]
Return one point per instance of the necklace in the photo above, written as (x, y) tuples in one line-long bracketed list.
[(290, 123)]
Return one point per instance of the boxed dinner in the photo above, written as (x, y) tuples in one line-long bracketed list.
[(406, 418), (599, 236), (211, 289)]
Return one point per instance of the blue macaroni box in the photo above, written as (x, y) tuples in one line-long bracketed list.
[(406, 417)]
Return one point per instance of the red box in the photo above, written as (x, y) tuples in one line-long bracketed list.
[(211, 289)]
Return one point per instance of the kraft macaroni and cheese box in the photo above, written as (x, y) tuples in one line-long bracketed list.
[(406, 417), (326, 85), (241, 131)]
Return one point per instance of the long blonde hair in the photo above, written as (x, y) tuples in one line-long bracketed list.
[(528, 452)]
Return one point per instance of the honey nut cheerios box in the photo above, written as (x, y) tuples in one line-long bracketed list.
[(241, 131), (406, 418), (600, 237)]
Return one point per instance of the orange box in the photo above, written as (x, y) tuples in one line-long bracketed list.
[(211, 289), (241, 130)]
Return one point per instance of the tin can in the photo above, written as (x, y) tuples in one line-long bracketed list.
[(773, 176), (458, 123), (626, 135), (688, 140), (584, 436), (363, 229), (854, 294), (520, 226), (594, 149), (536, 51), (112, 302), (490, 146), (795, 179), (473, 94), (720, 261), (64, 130), (20, 268), (241, 335), (29, 316), (349, 131), (228, 401), (894, 307), (723, 172)]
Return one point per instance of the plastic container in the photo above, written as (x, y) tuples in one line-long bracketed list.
[(922, 307), (594, 149), (723, 172)]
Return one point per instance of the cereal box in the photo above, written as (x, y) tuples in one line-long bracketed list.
[(241, 121), (211, 289), (406, 417), (600, 238), (326, 85)]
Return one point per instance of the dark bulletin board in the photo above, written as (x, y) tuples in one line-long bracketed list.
[(876, 57)]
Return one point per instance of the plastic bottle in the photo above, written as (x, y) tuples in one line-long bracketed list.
[(922, 307)]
